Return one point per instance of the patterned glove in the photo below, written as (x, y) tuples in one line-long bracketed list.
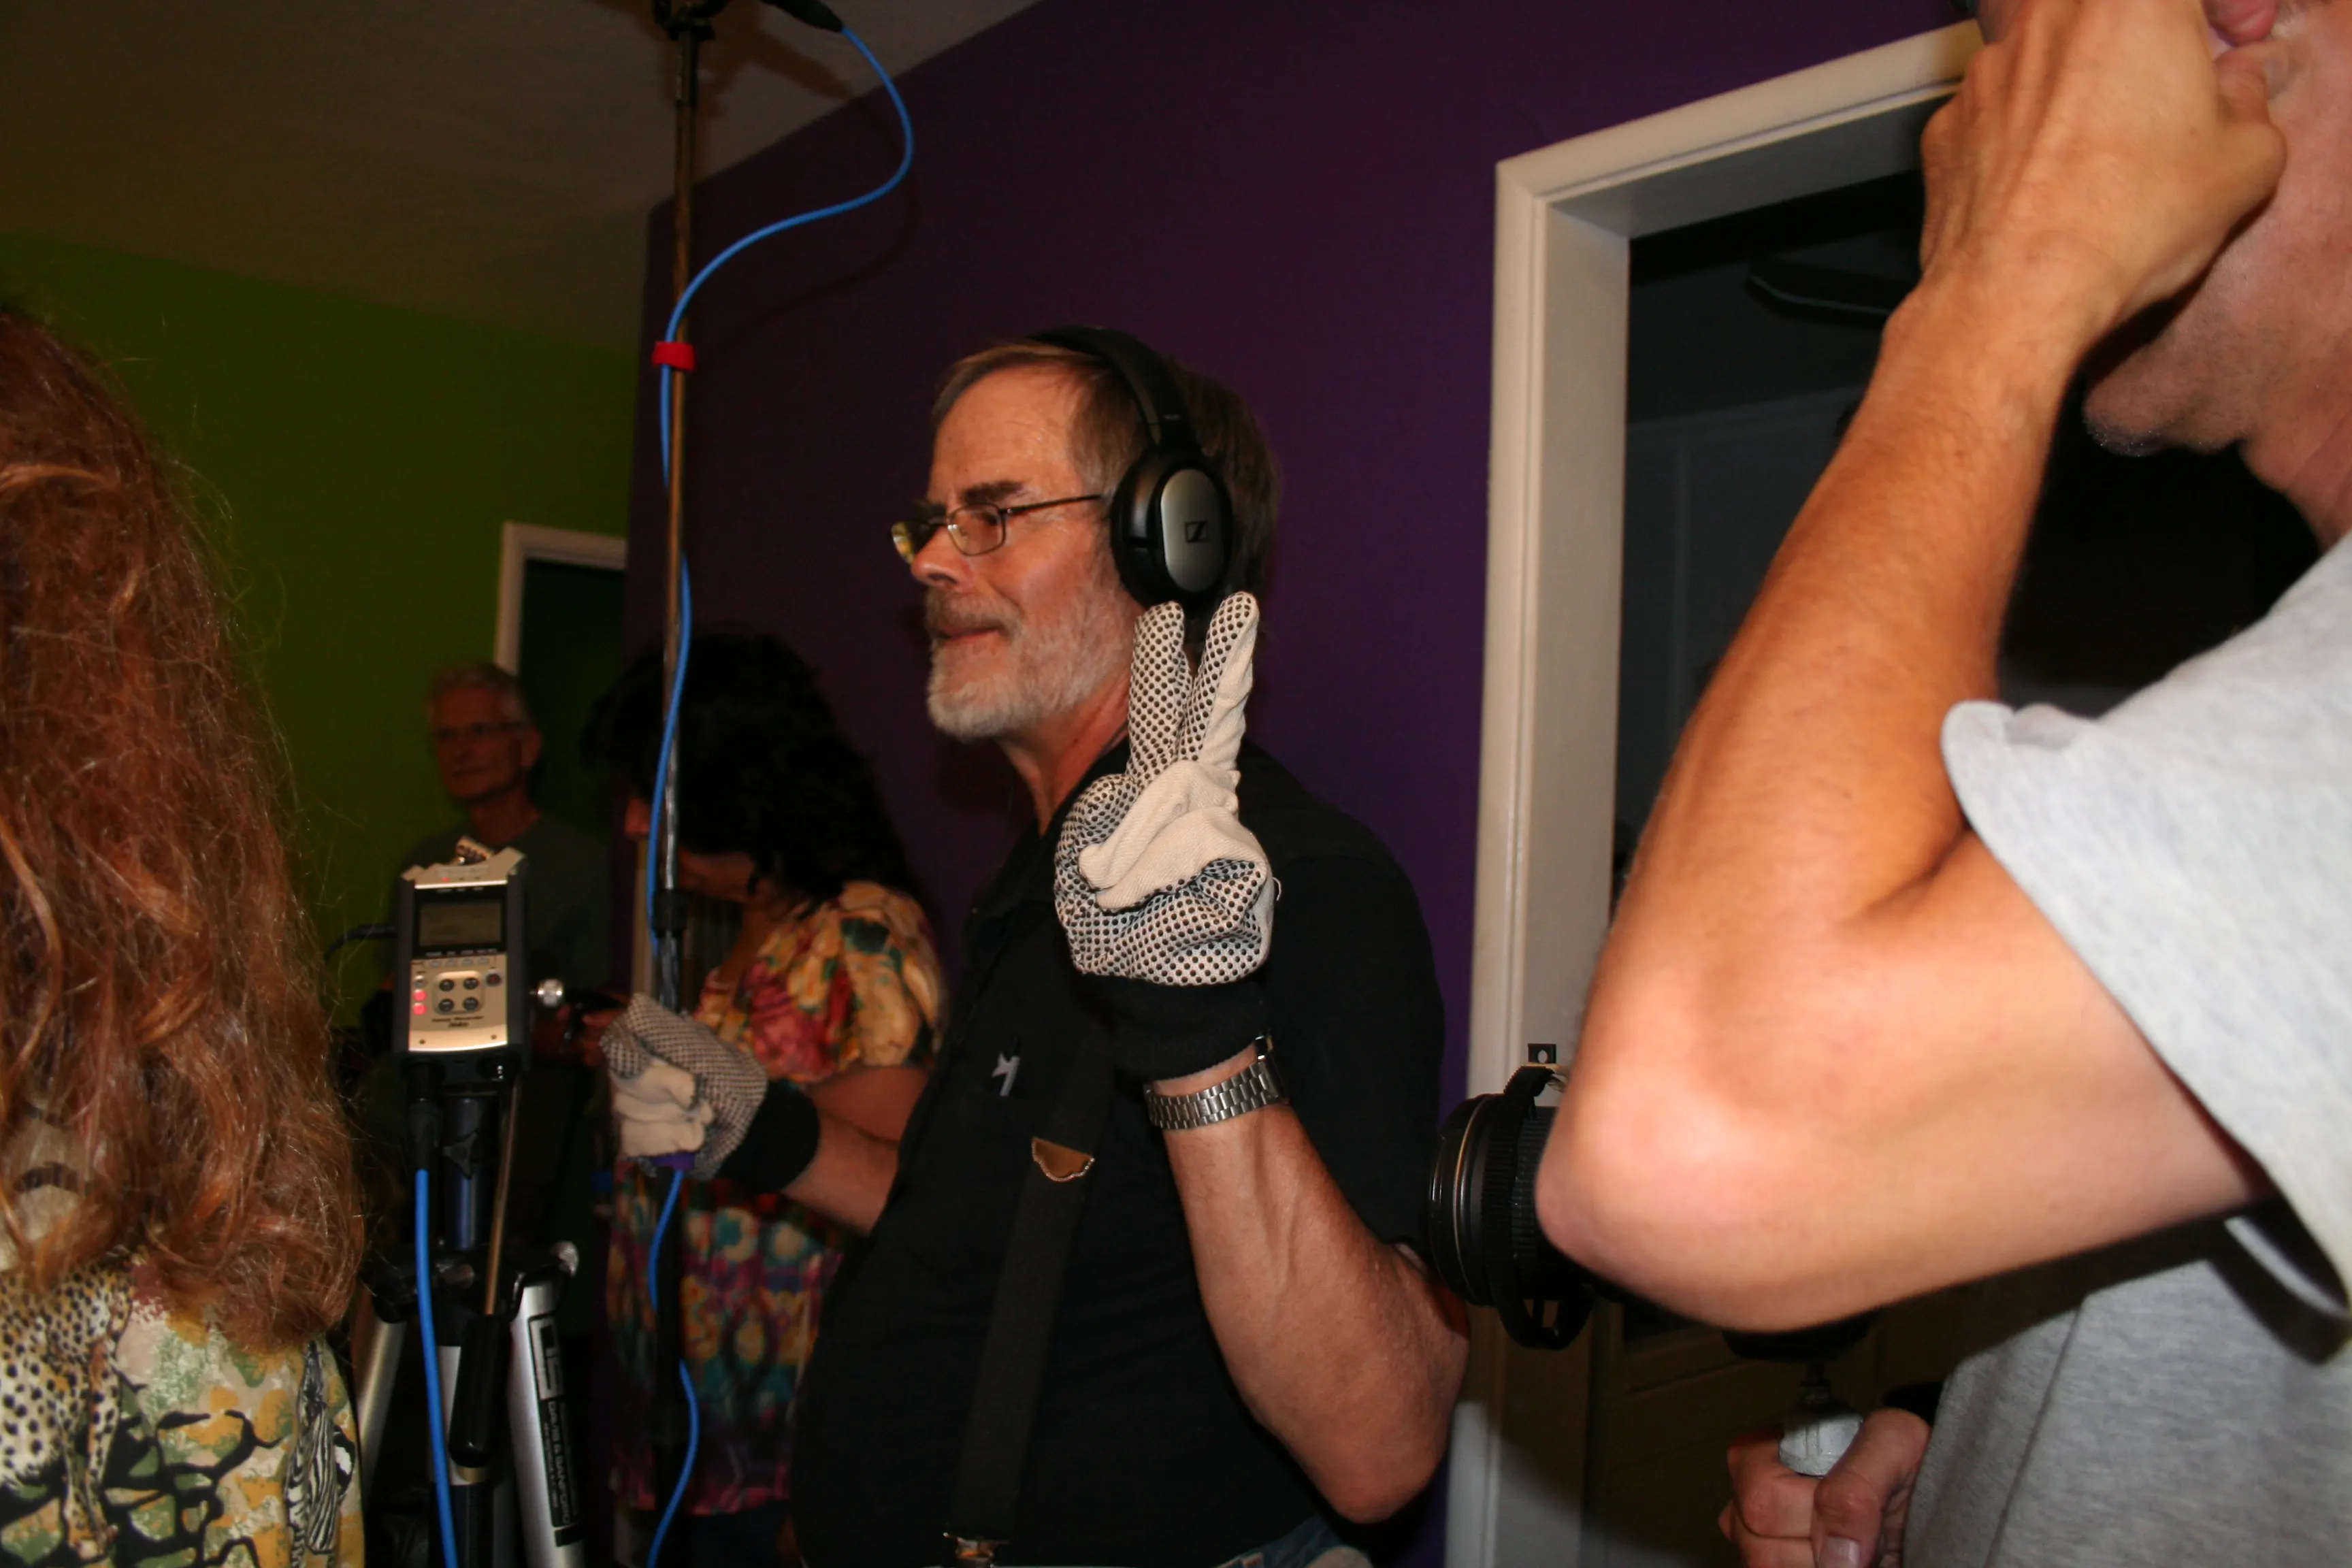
[(1160, 887), (659, 1114), (727, 1086)]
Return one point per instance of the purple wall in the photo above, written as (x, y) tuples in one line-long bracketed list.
[(1294, 197)]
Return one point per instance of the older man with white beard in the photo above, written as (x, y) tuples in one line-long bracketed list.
[(1245, 1350)]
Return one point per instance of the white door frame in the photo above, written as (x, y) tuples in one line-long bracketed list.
[(521, 543), (1564, 215)]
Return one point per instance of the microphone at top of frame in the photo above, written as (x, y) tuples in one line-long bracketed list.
[(816, 13)]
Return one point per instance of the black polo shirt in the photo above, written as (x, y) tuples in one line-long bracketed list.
[(1144, 1454)]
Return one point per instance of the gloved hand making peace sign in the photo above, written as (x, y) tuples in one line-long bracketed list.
[(1160, 890)]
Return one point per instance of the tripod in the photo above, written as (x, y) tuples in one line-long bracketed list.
[(492, 1349)]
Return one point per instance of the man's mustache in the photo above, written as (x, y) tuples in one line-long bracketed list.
[(945, 616)]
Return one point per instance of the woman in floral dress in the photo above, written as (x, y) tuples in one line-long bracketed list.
[(833, 984)]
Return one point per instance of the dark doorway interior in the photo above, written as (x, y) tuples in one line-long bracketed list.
[(1751, 339)]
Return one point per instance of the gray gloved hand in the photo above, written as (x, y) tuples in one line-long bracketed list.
[(728, 1084), (1155, 878)]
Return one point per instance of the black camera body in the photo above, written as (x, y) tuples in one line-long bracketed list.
[(1484, 1241), (1489, 1247)]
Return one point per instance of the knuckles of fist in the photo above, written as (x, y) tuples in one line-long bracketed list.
[(1852, 1518), (2104, 146)]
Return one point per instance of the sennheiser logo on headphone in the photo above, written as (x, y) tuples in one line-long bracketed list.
[(1196, 531)]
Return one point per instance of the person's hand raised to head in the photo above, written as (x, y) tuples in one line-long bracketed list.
[(2099, 155)]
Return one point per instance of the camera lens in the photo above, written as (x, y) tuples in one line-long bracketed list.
[(1485, 1240)]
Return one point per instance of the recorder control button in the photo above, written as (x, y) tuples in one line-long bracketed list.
[(448, 985), (446, 1006), (473, 1003)]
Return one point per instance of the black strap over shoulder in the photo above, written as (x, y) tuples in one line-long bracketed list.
[(1028, 1303)]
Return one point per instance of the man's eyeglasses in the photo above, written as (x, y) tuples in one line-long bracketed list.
[(455, 732), (974, 530)]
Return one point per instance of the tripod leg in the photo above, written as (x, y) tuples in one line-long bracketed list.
[(552, 1515), (375, 1365)]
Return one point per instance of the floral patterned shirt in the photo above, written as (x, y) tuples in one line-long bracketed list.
[(853, 982), (136, 1432)]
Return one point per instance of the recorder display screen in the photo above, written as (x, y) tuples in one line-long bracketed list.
[(444, 923)]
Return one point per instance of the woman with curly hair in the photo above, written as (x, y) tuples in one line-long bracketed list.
[(175, 1179), (833, 987)]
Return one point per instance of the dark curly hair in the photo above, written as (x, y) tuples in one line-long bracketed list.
[(762, 765)]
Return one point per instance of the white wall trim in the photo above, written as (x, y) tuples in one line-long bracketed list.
[(521, 543), (1564, 215)]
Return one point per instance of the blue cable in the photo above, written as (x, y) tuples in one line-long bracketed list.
[(686, 297), (669, 724), (693, 1408), (433, 1413)]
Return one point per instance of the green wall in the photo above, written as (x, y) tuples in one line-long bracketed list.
[(357, 461)]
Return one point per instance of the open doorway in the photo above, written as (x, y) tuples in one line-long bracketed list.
[(1751, 340), (559, 604)]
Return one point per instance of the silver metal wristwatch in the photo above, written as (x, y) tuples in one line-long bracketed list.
[(1253, 1088)]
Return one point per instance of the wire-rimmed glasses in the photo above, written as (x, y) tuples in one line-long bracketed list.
[(974, 529)]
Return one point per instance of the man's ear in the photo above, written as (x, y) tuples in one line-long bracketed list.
[(532, 744)]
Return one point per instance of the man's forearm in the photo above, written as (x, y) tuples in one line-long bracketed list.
[(1809, 782), (849, 1180), (1338, 1342), (1739, 1012), (1833, 1054)]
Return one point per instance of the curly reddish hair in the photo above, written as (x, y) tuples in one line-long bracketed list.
[(160, 999)]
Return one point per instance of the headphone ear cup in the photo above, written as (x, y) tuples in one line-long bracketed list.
[(1171, 530), (1134, 550)]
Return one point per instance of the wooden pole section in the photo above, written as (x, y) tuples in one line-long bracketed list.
[(668, 1422)]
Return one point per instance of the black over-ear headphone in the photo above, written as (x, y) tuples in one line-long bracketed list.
[(1172, 517)]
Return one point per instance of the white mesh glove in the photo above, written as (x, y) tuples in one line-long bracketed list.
[(721, 1092), (1155, 878), (657, 1112)]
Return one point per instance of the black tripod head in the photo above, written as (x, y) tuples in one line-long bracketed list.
[(677, 18)]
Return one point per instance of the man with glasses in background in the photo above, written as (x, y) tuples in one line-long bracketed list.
[(1245, 1350), (484, 746)]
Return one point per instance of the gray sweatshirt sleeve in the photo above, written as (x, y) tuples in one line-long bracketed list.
[(2194, 848)]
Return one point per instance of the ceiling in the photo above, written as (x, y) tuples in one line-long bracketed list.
[(492, 160)]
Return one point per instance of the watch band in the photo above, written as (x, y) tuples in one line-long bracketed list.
[(1253, 1088)]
